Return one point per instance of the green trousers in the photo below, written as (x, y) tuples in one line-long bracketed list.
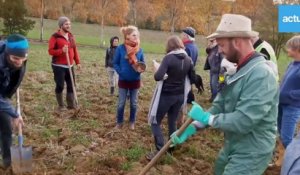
[(242, 163)]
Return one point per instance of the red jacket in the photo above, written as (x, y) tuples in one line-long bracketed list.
[(55, 45)]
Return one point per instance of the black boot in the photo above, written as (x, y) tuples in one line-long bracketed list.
[(71, 104), (112, 90), (60, 102)]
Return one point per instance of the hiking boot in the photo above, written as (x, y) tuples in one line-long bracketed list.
[(118, 126), (151, 155), (131, 126)]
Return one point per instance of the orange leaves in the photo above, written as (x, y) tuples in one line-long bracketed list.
[(169, 15)]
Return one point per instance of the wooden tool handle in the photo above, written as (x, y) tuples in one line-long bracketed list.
[(72, 77), (165, 147)]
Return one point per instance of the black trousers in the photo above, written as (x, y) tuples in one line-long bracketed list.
[(5, 136), (171, 106), (62, 75)]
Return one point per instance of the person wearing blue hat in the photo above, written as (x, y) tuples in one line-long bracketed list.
[(13, 57)]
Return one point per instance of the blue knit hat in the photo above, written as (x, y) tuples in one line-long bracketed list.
[(17, 45)]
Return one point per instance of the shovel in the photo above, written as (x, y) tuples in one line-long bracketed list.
[(21, 157), (73, 85)]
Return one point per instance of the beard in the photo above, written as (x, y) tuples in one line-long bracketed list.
[(233, 53), (65, 29), (13, 65)]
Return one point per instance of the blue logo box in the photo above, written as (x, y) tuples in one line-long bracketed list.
[(289, 18)]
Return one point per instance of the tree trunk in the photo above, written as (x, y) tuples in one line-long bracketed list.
[(134, 12), (173, 16), (102, 43), (173, 26), (42, 21)]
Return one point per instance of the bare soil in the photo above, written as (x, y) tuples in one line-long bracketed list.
[(86, 142)]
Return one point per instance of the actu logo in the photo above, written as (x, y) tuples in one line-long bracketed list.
[(293, 18)]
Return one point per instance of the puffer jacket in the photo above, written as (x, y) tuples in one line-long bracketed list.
[(56, 43)]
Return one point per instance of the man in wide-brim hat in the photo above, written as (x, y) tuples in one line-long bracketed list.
[(246, 108)]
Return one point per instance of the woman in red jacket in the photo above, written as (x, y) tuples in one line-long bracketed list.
[(60, 43)]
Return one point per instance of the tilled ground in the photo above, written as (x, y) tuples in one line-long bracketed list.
[(86, 142)]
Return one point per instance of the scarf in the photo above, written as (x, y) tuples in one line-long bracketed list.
[(187, 42), (132, 48), (177, 51)]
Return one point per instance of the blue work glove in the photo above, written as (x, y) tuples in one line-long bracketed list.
[(189, 131), (197, 113)]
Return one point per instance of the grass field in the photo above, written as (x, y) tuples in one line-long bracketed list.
[(151, 41), (87, 143)]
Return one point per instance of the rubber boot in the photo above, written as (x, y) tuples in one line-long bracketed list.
[(112, 90), (281, 150), (71, 101), (60, 102)]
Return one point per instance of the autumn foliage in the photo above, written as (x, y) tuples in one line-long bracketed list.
[(167, 15)]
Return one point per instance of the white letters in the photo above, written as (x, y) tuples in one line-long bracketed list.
[(292, 19)]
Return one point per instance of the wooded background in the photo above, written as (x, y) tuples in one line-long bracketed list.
[(166, 15)]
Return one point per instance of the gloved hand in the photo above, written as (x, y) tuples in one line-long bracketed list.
[(189, 131), (197, 113)]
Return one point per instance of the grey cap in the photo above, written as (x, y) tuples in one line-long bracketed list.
[(190, 31), (62, 20)]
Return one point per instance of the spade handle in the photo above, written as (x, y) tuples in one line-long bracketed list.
[(20, 134)]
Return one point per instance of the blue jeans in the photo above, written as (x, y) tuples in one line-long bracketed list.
[(121, 104), (214, 83), (288, 117)]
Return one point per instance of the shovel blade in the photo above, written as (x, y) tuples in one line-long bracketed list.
[(21, 159)]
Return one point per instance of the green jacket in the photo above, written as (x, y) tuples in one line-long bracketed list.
[(246, 109)]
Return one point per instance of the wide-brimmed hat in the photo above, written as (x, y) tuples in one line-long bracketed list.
[(233, 25)]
